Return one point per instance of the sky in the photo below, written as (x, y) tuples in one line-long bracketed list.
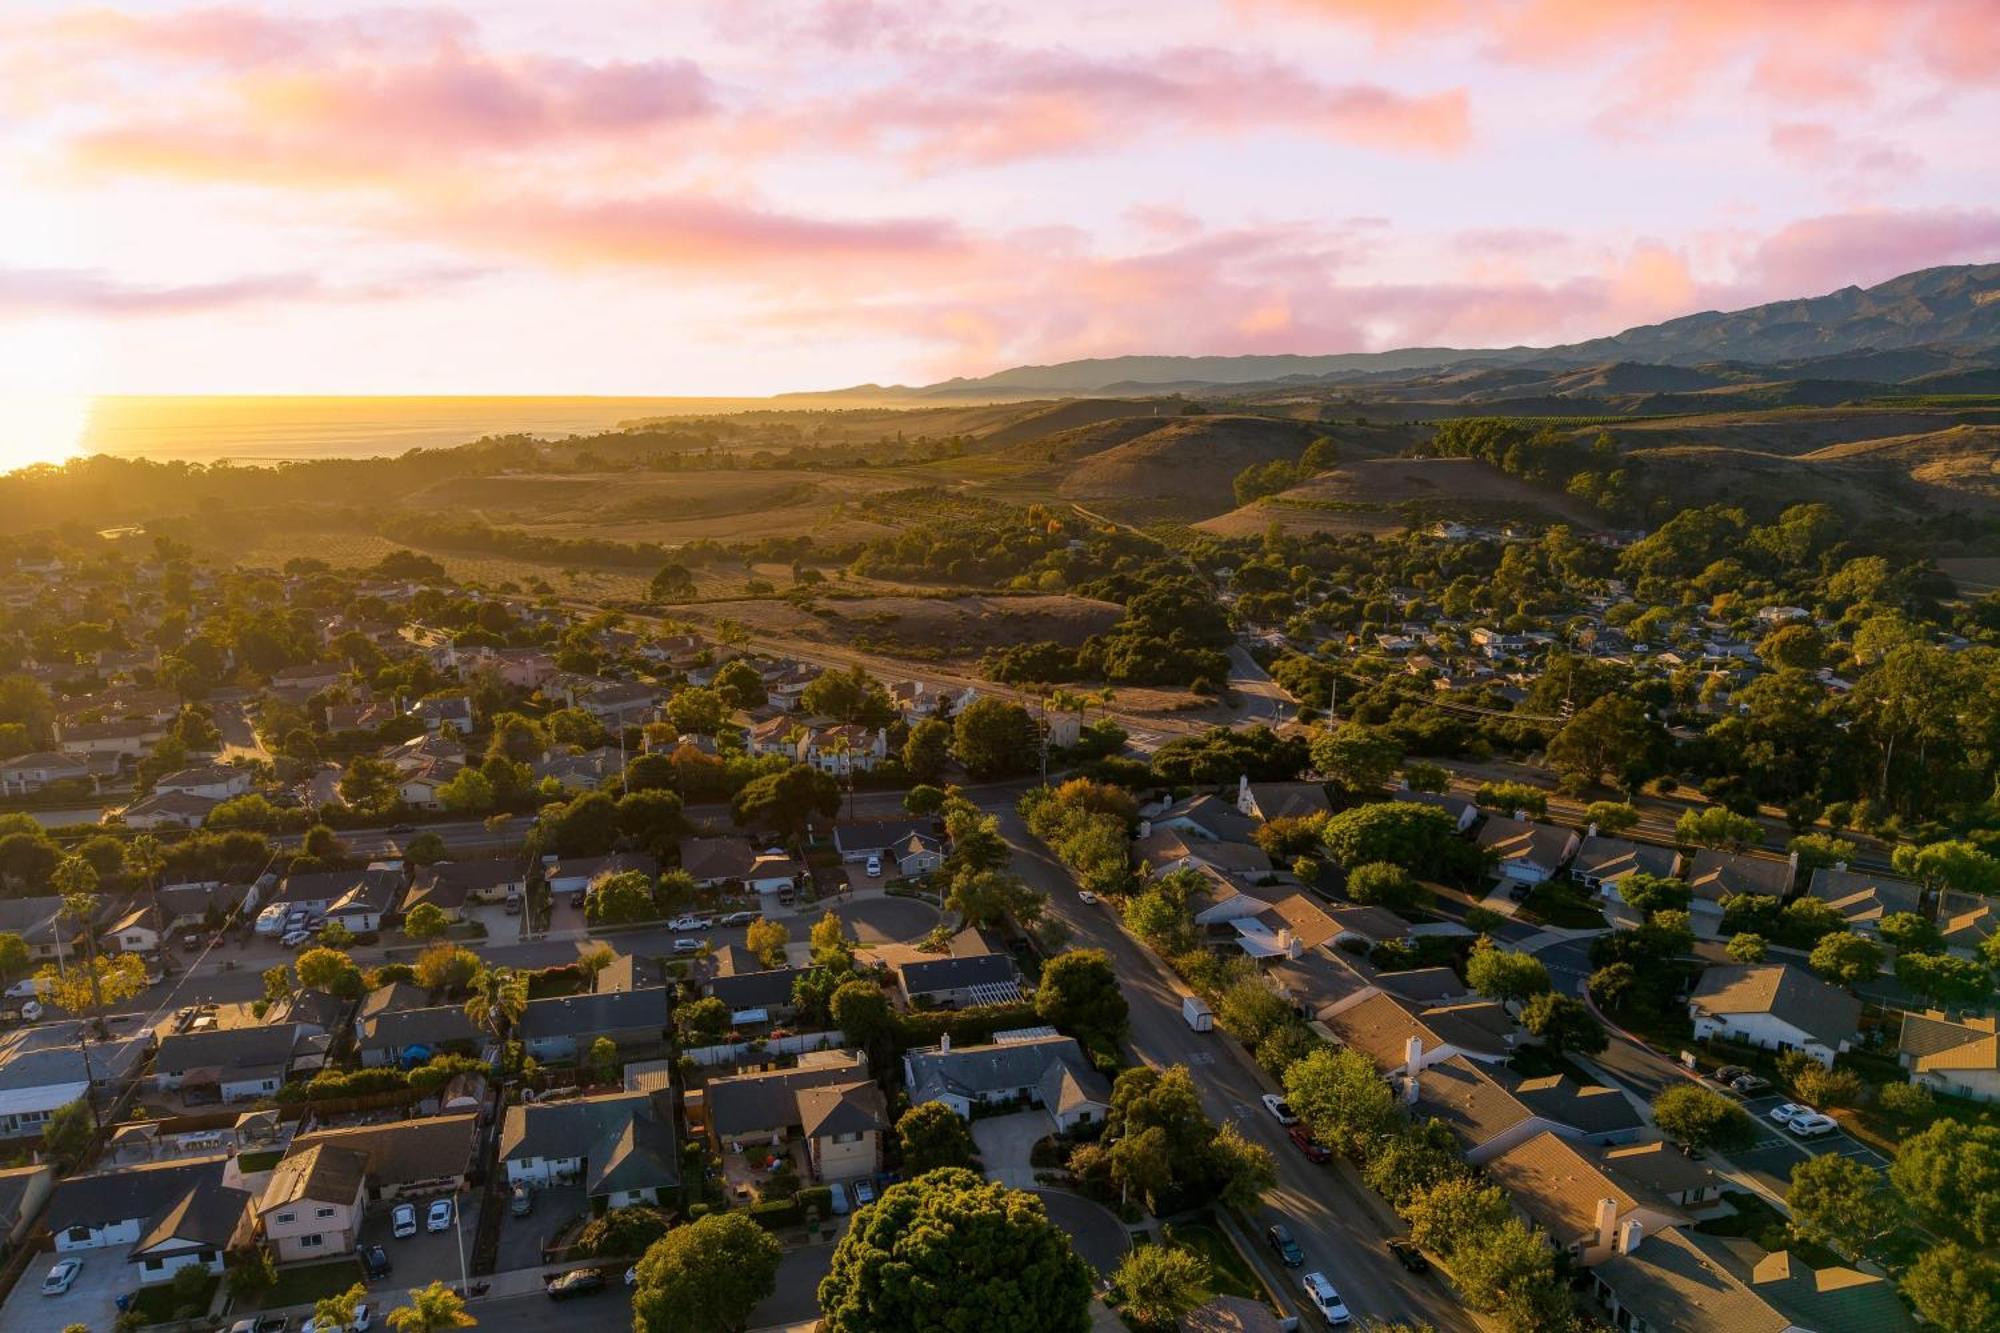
[(714, 197)]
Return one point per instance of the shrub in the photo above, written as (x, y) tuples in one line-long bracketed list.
[(774, 1213)]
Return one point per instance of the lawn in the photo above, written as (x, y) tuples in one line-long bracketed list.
[(1559, 903), (157, 1304), (307, 1284), (1229, 1272), (251, 1162)]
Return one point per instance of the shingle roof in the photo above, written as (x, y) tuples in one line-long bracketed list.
[(942, 974), (407, 1150), (1559, 1187), (231, 1050), (1470, 1104), (717, 858), (582, 1015), (430, 1026), (1863, 899), (769, 989), (853, 1108), (1381, 1025), (1000, 1067), (1788, 993), (751, 1103), (324, 1172), (1610, 858), (1588, 1107), (1713, 875), (1940, 1043), (156, 1193), (1659, 1167), (619, 1136), (1512, 839), (1677, 1283), (1288, 800), (1829, 1300)]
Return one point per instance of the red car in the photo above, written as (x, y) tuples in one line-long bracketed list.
[(1314, 1150)]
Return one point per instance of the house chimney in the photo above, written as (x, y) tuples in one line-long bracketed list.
[(944, 1043), (1840, 865), (1413, 1057), (1591, 832), (1521, 815), (1412, 1088), (1145, 828), (1607, 1223), (1630, 1235)]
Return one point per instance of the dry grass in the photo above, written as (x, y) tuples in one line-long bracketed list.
[(936, 628), (1365, 497)]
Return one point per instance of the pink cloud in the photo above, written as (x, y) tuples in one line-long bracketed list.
[(41, 292), (1819, 254)]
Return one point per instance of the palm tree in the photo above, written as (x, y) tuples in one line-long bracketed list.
[(592, 962), (499, 996), (430, 1309), (75, 880), (146, 862)]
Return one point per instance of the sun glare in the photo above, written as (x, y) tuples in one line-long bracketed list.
[(41, 428)]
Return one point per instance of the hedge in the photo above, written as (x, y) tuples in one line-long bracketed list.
[(966, 1027), (774, 1213)]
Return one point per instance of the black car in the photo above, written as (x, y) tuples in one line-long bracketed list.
[(376, 1260), (1409, 1256), (576, 1282), (1286, 1248)]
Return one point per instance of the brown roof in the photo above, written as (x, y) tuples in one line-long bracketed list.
[(717, 858), (1658, 1166), (1231, 1314), (1939, 1043), (1714, 875), (1677, 1281), (1559, 1187), (854, 1108), (1585, 1106), (323, 1172), (1303, 917), (1863, 899), (1473, 1106), (1788, 993), (1381, 1025), (407, 1150)]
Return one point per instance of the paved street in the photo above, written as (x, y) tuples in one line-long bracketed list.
[(1340, 1224)]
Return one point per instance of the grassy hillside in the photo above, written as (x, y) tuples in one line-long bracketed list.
[(1189, 464), (1386, 495)]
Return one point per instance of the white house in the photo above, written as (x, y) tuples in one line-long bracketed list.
[(218, 782), (1524, 851), (1777, 1007), (1032, 1066), (171, 1215)]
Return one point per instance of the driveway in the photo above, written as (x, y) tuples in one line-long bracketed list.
[(1006, 1145), (796, 1301), (1094, 1230), (887, 920), (501, 927), (522, 1238), (91, 1301), (428, 1256)]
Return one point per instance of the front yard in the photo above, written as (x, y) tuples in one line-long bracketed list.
[(306, 1283)]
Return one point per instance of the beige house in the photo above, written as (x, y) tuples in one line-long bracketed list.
[(1958, 1057), (843, 1127), (312, 1208), (1581, 1206)]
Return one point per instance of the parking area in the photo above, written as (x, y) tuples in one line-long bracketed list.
[(428, 1256), (522, 1239), (501, 927), (1006, 1144), (886, 920), (90, 1301), (1777, 1150)]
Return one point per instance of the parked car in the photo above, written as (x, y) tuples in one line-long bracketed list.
[(439, 1217), (632, 1276), (61, 1277), (687, 946), (1086, 897), (266, 1323), (1409, 1256), (1284, 1246), (1788, 1112), (1812, 1124), (874, 867), (739, 919), (1750, 1084), (1324, 1300), (403, 1220), (1728, 1074), (521, 1201), (1314, 1150), (1280, 1108), (294, 938), (837, 1198), (576, 1282), (376, 1260), (364, 1319), (864, 1192)]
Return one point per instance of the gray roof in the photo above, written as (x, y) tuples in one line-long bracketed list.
[(1608, 858), (231, 1050), (941, 974), (623, 1143), (752, 1103), (851, 1108), (585, 1015), (973, 1071), (187, 1198), (1676, 1281), (329, 885), (869, 835), (399, 1029), (1588, 1107), (1790, 994), (757, 990)]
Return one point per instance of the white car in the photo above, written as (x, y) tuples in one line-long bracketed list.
[(1085, 896), (687, 946), (439, 1216), (1321, 1296), (1280, 1108), (364, 1318), (1812, 1124), (294, 938), (874, 867), (1787, 1113), (690, 923), (271, 921), (61, 1276), (403, 1220)]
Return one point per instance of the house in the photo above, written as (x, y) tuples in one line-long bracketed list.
[(191, 907), (1289, 928), (23, 1191), (1965, 920), (453, 713), (1680, 1281), (169, 809), (170, 1215), (615, 1144), (317, 891), (450, 885), (711, 862), (317, 1013), (1480, 1106), (844, 750), (406, 1038), (1524, 851), (420, 788), (1165, 850), (1266, 801), (1667, 1171), (753, 992), (1777, 1007), (957, 983), (422, 752), (358, 716), (620, 704), (890, 839), (580, 770), (1205, 817), (241, 1064), (1396, 1033), (1714, 875), (313, 1205), (133, 932), (575, 874), (368, 900), (436, 1155), (843, 1126), (42, 926), (129, 739), (26, 774), (218, 782), (1463, 810), (1958, 1057), (43, 1070), (310, 679), (1031, 1066), (1581, 1206), (560, 1028), (1863, 899), (774, 871), (1600, 862)]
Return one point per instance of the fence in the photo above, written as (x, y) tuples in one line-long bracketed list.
[(731, 1052)]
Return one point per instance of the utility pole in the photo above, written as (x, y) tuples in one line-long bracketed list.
[(89, 1079), (458, 1229)]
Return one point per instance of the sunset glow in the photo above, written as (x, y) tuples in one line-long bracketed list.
[(749, 196)]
